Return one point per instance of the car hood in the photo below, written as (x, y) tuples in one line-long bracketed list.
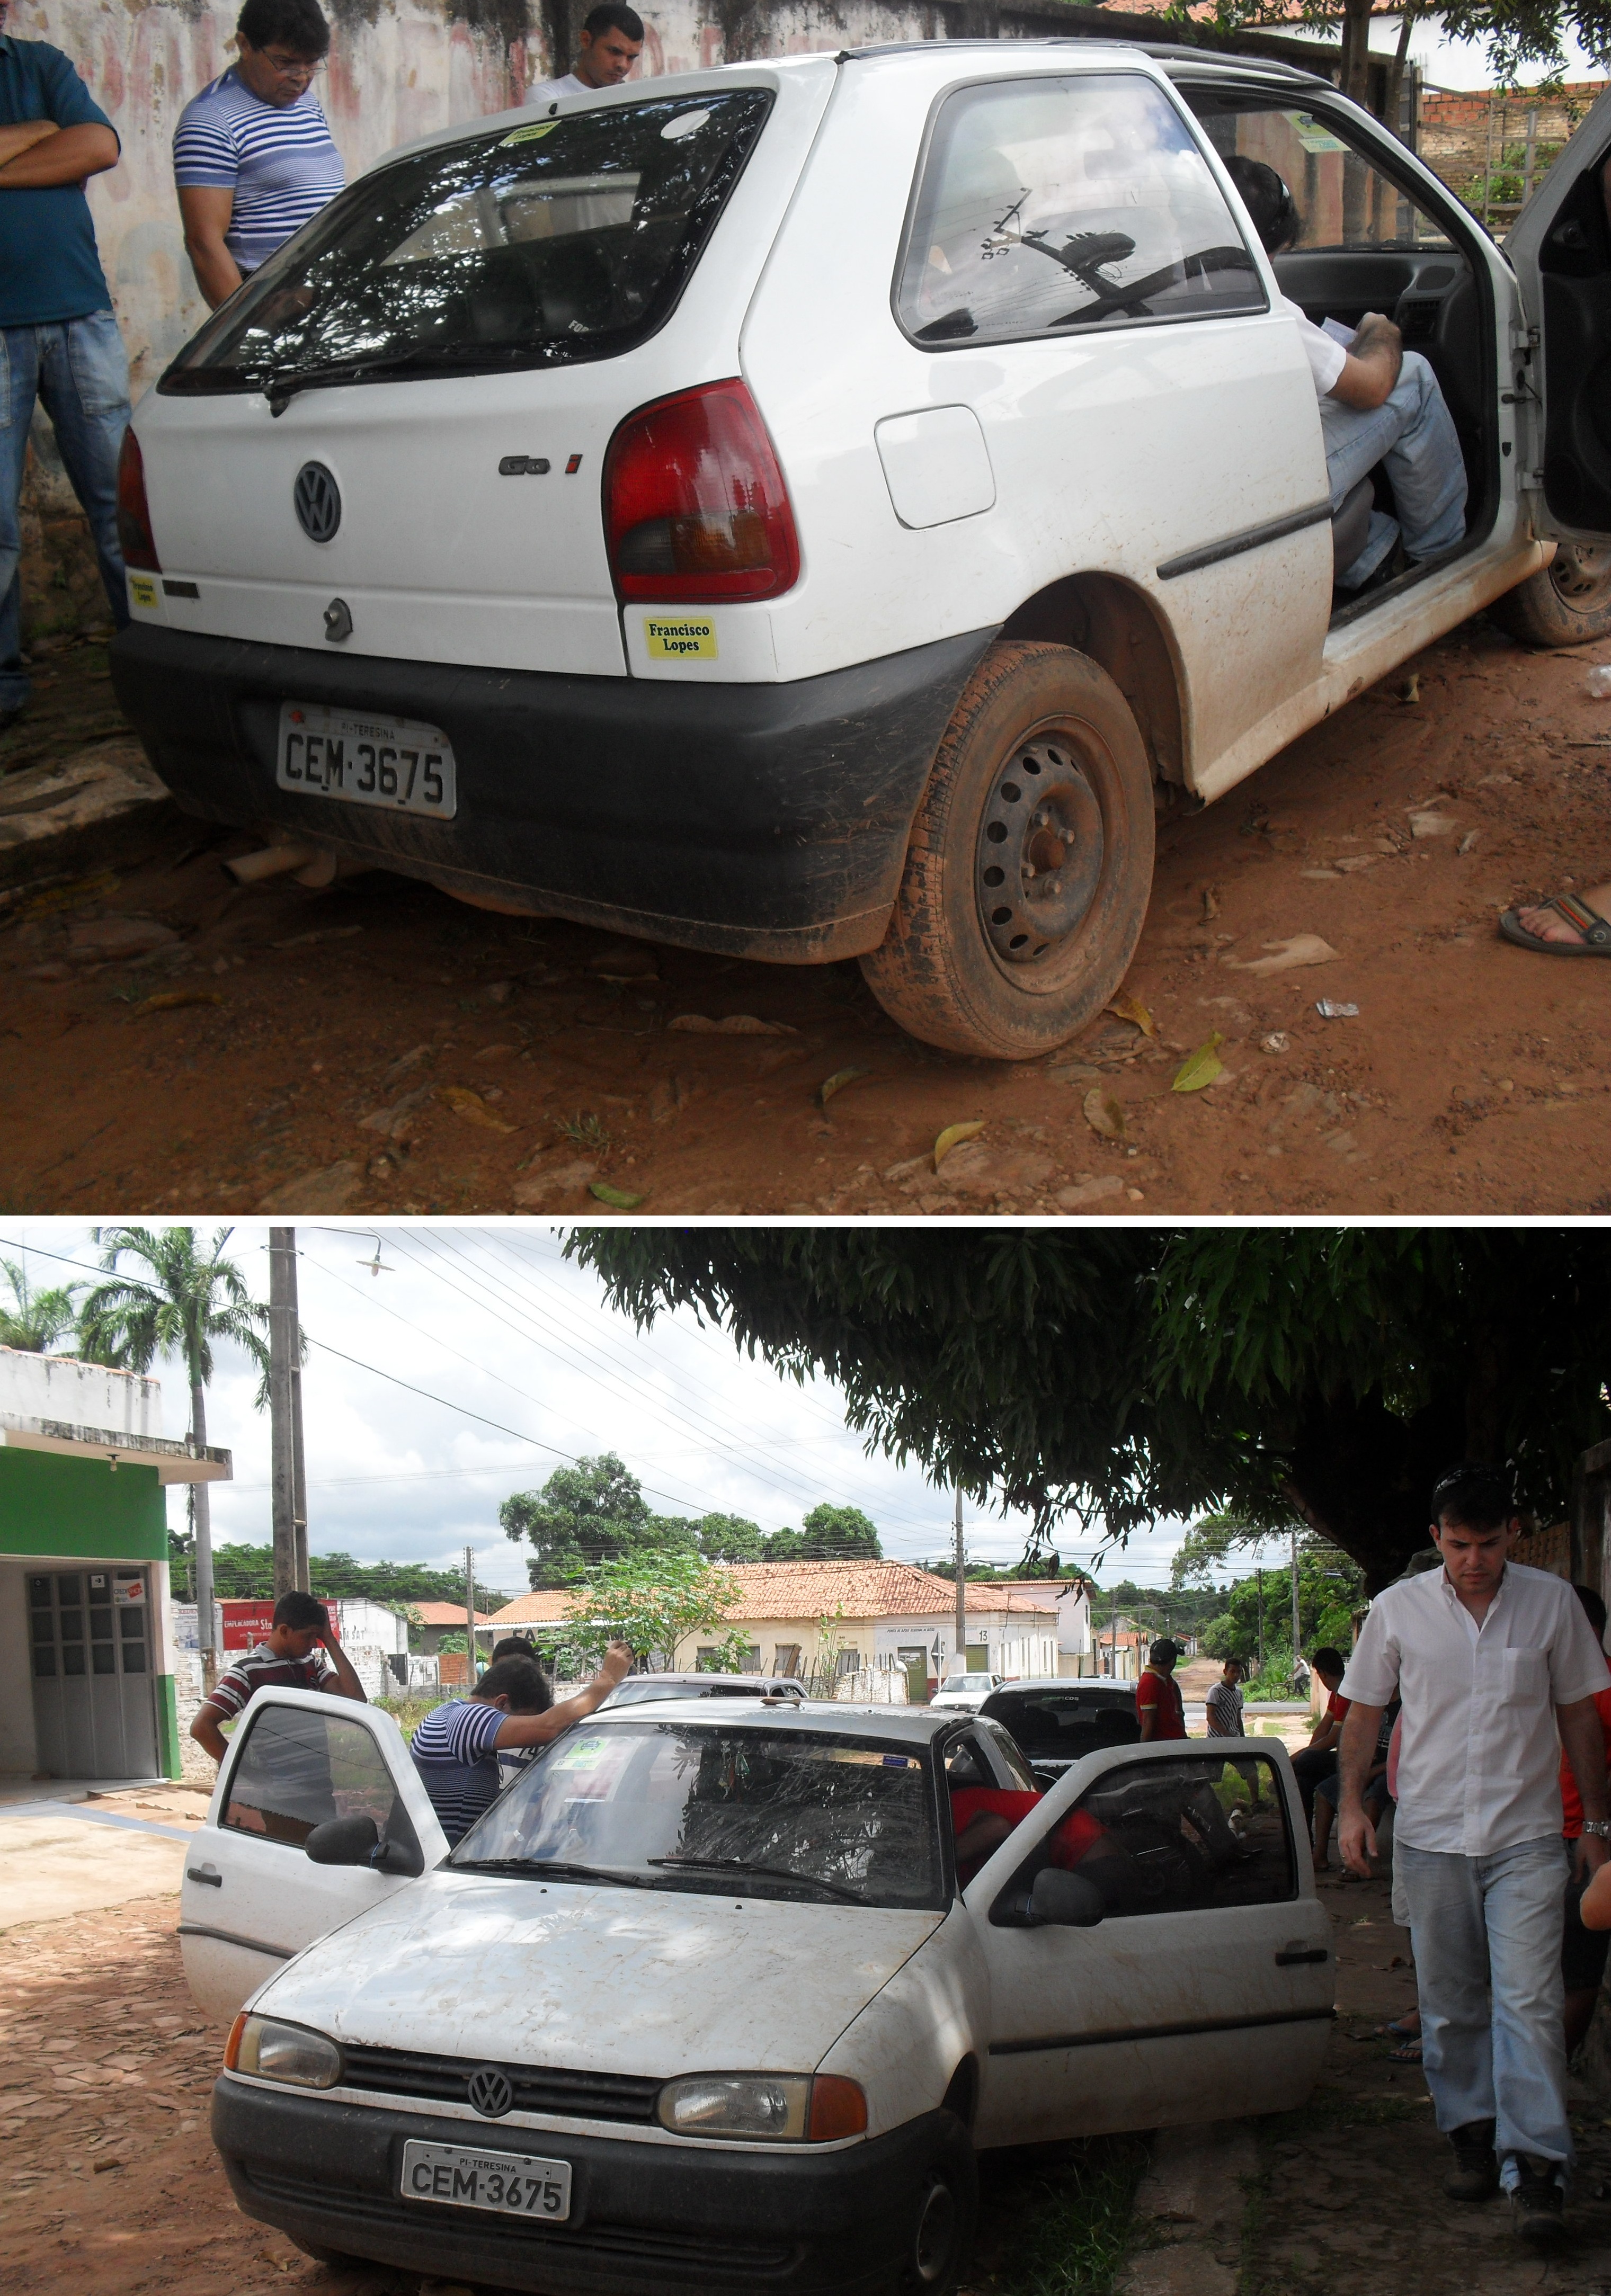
[(597, 1980)]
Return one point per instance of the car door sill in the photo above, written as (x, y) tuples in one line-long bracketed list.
[(1250, 538), (1160, 2032), (228, 1937)]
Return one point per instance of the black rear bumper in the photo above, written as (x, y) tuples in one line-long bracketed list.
[(762, 821), (642, 2215)]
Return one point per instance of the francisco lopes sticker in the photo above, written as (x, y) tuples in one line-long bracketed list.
[(680, 637), (143, 592), (528, 135)]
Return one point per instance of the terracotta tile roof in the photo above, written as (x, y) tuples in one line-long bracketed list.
[(812, 1590), (447, 1614)]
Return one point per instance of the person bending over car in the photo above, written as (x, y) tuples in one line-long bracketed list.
[(456, 1746), (611, 41), (1379, 403)]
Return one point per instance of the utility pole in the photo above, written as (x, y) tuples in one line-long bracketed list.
[(957, 1561), (1296, 1629), (1530, 155), (1261, 1619), (299, 1475), (283, 1444), (470, 1616)]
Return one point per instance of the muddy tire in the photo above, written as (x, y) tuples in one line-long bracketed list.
[(1568, 604), (1031, 861), (940, 2218)]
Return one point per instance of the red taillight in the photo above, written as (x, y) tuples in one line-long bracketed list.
[(134, 536), (695, 509)]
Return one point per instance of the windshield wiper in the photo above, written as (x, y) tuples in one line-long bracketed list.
[(773, 1872), (540, 1866)]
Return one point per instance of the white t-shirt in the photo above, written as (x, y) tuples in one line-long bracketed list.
[(1479, 1760), (1325, 355), (547, 90)]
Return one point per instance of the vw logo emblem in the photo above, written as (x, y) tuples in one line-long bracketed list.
[(490, 2092), (318, 503)]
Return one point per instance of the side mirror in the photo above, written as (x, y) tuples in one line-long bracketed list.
[(360, 1842), (1065, 1901)]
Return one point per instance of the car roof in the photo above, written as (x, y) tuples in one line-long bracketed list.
[(1083, 1684), (917, 1724), (720, 1681)]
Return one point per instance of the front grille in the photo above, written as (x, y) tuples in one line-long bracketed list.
[(537, 2088), (685, 2253)]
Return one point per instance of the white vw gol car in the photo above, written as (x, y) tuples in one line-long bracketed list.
[(706, 2001), (819, 509)]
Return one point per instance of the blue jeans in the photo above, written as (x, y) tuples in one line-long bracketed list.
[(77, 371), (1413, 433), (1486, 1933)]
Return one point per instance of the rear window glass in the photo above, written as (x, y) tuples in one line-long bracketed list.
[(1049, 205), (544, 244)]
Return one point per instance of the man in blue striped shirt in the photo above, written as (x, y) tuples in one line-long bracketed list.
[(253, 158), (456, 1746)]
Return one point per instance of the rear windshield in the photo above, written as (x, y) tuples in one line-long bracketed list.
[(542, 244), (1062, 1724), (816, 1816)]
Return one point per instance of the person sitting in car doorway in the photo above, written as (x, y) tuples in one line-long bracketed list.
[(456, 1746), (1379, 403), (611, 41)]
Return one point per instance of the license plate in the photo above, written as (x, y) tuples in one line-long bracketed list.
[(510, 2184), (393, 762)]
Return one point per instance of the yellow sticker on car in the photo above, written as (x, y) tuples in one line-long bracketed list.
[(528, 135), (679, 638), (143, 592)]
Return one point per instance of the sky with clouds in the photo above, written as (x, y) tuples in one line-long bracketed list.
[(522, 1366)]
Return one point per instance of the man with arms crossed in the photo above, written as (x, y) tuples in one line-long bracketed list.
[(1491, 1659)]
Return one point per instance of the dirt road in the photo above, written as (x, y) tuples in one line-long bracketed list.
[(176, 1043)]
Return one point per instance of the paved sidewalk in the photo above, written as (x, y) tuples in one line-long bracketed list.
[(60, 1858)]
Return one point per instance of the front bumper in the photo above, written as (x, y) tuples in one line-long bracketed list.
[(760, 821), (642, 2215)]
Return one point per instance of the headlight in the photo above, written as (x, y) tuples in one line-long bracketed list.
[(782, 2108), (281, 2053)]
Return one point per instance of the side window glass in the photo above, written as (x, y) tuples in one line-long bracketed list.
[(1018, 1772), (966, 1766), (1176, 1837), (1342, 200), (1050, 207), (298, 1769)]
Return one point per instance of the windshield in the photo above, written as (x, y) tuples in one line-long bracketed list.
[(540, 244), (686, 1806), (1061, 1724)]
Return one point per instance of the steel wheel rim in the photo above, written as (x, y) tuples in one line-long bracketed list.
[(1039, 853), (1581, 570), (935, 2238)]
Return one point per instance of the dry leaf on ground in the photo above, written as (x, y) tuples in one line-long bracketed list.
[(1104, 1114), (1200, 1067), (170, 1000), (472, 1108), (1287, 956), (737, 1024), (953, 1137), (618, 1199), (837, 1083), (1131, 1009)]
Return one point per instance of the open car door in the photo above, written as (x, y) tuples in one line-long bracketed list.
[(1560, 245), (251, 1896), (1156, 1948)]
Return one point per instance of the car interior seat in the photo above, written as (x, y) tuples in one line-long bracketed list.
[(1351, 525)]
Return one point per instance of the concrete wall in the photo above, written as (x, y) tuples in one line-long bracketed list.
[(79, 1394)]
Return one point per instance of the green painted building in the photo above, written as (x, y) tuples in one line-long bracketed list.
[(86, 1643)]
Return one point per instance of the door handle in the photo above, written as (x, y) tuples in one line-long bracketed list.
[(208, 1874), (1293, 1956)]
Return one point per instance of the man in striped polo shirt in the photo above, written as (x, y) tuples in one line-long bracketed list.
[(456, 1746), (253, 159), (302, 1653)]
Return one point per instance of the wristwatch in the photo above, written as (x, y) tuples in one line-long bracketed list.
[(1600, 1827)]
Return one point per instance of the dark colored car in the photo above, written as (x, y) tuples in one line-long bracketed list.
[(636, 1687), (1057, 1722)]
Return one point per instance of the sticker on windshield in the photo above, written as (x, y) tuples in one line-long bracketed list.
[(583, 1754), (687, 123), (1311, 135), (678, 638), (528, 135)]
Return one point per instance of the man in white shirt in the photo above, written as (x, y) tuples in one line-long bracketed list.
[(1379, 403), (611, 41), (1493, 1660)]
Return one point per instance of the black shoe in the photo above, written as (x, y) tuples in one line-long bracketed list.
[(1475, 2173), (1537, 2204)]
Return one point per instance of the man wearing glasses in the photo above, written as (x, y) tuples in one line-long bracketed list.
[(252, 155)]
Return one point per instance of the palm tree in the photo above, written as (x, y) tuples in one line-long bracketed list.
[(36, 1320), (189, 1299)]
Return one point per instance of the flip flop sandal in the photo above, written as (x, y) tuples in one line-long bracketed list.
[(1409, 2054), (1596, 929)]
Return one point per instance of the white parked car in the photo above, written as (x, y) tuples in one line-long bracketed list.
[(825, 507), (969, 1690), (704, 2001)]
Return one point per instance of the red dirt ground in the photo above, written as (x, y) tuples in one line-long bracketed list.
[(1471, 1081)]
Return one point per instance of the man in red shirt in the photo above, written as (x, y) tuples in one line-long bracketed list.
[(1158, 1695)]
